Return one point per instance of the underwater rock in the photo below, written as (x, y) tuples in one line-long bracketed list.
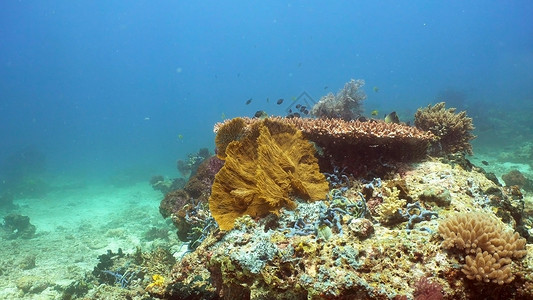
[(32, 284), (283, 256), (515, 177), (362, 228), (438, 195), (18, 226)]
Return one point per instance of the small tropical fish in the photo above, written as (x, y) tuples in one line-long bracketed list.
[(392, 118), (298, 106), (376, 89), (375, 112), (261, 114), (306, 111), (486, 163), (180, 137), (223, 116), (326, 87), (279, 101), (248, 101)]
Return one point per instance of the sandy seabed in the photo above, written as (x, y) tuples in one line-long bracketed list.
[(74, 227)]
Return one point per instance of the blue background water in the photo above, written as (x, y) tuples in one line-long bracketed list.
[(98, 87)]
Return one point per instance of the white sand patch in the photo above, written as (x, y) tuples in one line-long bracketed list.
[(74, 227)]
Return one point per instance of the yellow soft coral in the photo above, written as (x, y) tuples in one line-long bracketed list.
[(390, 210), (158, 281), (262, 170)]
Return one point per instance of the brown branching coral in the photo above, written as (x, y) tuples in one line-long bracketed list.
[(262, 170), (453, 129), (355, 143), (489, 245), (346, 105)]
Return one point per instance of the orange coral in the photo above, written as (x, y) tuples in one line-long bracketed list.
[(231, 132), (262, 170)]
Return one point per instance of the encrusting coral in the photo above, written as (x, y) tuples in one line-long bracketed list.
[(453, 129), (262, 170), (489, 245)]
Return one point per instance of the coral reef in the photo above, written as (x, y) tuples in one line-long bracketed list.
[(188, 167), (357, 146), (337, 248), (187, 207), (262, 171), (159, 183), (453, 129), (346, 105), (489, 245)]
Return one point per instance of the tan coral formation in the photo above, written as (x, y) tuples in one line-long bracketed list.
[(453, 129), (489, 245), (358, 146), (354, 131)]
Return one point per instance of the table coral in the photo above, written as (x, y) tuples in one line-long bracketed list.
[(356, 146)]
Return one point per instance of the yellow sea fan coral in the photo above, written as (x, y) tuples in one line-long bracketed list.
[(453, 129), (261, 174), (231, 131), (488, 243)]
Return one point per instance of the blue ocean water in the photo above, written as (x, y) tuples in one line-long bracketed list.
[(91, 89)]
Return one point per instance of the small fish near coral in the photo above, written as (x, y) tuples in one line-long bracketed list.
[(392, 118)]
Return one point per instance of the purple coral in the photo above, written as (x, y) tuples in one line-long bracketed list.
[(427, 290)]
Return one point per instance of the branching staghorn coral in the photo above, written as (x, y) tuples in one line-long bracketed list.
[(346, 105), (453, 129), (490, 246)]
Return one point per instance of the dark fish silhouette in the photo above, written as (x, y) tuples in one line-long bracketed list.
[(298, 106), (392, 118), (486, 163), (260, 114), (279, 101), (248, 101)]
